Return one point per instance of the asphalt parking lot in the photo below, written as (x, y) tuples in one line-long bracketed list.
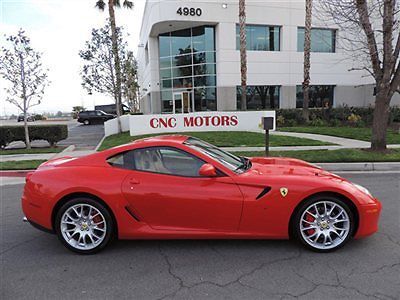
[(34, 265), (83, 137)]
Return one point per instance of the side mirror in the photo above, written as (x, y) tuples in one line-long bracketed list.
[(207, 170)]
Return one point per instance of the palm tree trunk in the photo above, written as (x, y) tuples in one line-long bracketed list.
[(118, 93), (307, 65), (243, 53)]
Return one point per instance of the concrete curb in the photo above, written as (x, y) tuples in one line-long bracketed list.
[(363, 166), (99, 144)]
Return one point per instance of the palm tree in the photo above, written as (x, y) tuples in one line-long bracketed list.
[(307, 50), (100, 4), (243, 53)]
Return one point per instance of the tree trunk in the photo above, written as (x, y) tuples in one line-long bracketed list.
[(243, 53), (27, 139), (117, 63), (307, 50), (380, 122)]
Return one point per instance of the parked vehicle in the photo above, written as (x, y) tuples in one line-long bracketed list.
[(112, 108), (29, 118), (88, 117), (179, 187)]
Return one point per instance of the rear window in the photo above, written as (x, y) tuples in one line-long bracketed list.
[(84, 113)]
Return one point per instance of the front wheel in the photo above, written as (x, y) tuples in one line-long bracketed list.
[(84, 226), (324, 223)]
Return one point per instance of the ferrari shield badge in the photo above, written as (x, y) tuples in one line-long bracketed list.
[(284, 191)]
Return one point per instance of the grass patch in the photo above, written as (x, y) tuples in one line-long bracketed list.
[(341, 155), (362, 134), (20, 165), (32, 151), (222, 139)]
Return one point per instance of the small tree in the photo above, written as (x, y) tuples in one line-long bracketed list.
[(21, 66), (130, 86), (98, 73)]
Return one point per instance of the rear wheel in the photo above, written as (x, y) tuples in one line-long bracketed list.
[(324, 223), (86, 122), (84, 225)]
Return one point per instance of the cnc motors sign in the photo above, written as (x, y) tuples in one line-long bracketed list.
[(202, 121)]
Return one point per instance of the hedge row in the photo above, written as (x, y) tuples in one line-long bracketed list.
[(50, 133), (339, 116)]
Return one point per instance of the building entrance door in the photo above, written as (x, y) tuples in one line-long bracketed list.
[(182, 102)]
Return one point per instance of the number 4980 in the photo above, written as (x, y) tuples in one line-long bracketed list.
[(189, 11)]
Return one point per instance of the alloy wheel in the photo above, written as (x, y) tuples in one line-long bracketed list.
[(324, 225)]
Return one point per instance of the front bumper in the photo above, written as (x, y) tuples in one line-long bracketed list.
[(368, 219)]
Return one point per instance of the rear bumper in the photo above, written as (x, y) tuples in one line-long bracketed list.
[(37, 226), (368, 219)]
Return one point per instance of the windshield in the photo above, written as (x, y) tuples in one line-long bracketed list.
[(235, 163)]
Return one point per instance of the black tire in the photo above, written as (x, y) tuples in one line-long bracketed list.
[(306, 204), (109, 225)]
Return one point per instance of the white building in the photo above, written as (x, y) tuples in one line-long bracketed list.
[(189, 58)]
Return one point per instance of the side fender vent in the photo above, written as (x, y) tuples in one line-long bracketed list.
[(264, 192), (133, 215)]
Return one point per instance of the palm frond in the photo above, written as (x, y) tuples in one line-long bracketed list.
[(117, 3), (100, 4), (128, 4)]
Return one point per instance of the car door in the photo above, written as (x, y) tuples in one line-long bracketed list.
[(165, 191)]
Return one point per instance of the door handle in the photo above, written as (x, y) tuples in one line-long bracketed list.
[(134, 181)]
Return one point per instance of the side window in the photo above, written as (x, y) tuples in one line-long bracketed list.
[(166, 160), (98, 113), (123, 160)]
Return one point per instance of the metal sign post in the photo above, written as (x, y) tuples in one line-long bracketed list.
[(268, 124)]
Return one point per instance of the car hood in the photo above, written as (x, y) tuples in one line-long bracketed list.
[(262, 166)]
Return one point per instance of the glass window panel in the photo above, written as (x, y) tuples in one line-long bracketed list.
[(199, 43), (181, 42), (166, 84), (322, 40), (260, 97), (209, 39), (320, 96), (185, 82), (165, 45), (182, 72), (205, 99), (205, 81), (166, 95), (274, 38), (165, 73), (260, 38), (165, 62), (259, 41), (204, 69), (182, 60)]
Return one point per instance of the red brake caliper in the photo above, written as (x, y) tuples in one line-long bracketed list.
[(310, 219)]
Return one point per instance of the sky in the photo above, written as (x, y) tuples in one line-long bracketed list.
[(58, 29)]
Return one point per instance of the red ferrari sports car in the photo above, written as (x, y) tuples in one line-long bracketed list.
[(179, 187)]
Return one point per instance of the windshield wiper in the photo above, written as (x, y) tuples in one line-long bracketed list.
[(246, 163)]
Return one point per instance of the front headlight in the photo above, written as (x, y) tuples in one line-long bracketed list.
[(362, 189)]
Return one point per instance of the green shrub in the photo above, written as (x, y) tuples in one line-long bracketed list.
[(338, 116), (50, 133)]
